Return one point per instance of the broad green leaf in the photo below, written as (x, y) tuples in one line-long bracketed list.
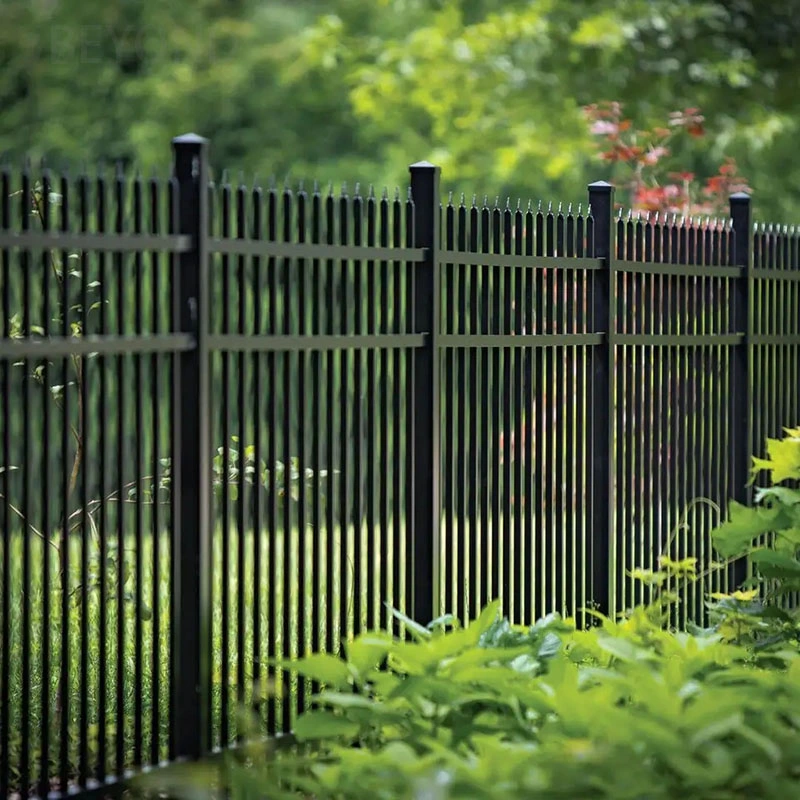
[(789, 497), (783, 459), (772, 564), (322, 667), (623, 649), (322, 725), (718, 729), (767, 746), (367, 651), (744, 524), (486, 618)]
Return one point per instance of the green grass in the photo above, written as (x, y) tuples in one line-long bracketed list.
[(231, 582), (154, 628)]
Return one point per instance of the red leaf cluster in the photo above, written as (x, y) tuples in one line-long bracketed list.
[(642, 153)]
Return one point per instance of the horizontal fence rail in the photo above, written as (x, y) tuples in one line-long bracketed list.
[(242, 423)]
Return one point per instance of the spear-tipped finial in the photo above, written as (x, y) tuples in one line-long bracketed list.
[(371, 192), (539, 206), (397, 194)]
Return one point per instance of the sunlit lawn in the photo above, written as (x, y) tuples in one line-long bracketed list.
[(146, 669)]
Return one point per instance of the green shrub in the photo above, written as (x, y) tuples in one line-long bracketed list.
[(626, 709)]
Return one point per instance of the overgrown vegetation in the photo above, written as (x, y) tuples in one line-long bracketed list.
[(628, 708)]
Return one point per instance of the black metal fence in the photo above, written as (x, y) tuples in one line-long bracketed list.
[(238, 422)]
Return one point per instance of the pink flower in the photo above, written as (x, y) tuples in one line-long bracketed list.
[(604, 128)]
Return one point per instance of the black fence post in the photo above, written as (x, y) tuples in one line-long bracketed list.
[(741, 390), (191, 459), (603, 314), (426, 507)]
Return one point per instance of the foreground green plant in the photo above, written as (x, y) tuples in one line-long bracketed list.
[(627, 709)]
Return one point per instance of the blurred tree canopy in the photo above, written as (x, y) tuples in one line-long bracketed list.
[(354, 90)]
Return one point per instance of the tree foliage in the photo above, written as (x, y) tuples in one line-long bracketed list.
[(350, 90)]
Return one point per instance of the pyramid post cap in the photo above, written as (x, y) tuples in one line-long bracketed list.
[(601, 186), (423, 165), (190, 138), (740, 197)]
